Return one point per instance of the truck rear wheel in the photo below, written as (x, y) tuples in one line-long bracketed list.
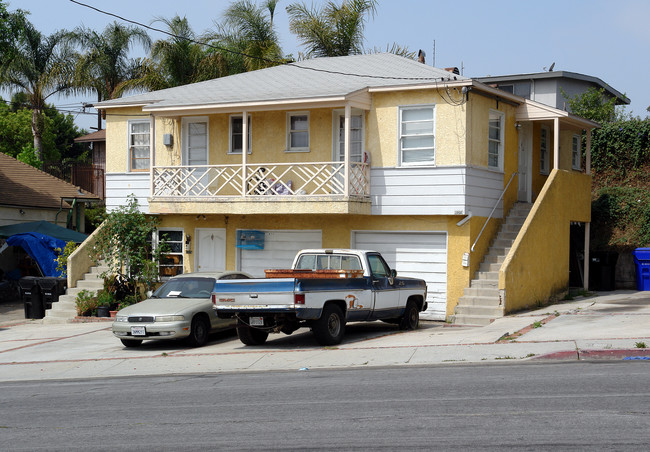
[(251, 336), (329, 329), (411, 318)]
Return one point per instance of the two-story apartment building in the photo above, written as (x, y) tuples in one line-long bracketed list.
[(367, 151)]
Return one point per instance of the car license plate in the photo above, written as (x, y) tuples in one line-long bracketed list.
[(138, 331), (256, 321)]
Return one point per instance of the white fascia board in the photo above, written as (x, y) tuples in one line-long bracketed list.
[(289, 104), (420, 86), (531, 110)]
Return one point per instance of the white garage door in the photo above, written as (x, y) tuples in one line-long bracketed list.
[(420, 255), (280, 247)]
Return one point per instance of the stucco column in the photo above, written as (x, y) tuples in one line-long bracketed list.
[(244, 150), (346, 167), (556, 143)]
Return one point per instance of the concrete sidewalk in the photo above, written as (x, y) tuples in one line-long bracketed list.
[(607, 325)]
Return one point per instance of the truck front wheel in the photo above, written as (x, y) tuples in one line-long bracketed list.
[(251, 336), (329, 329), (411, 318)]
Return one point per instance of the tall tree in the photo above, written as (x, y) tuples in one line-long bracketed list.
[(105, 66), (248, 34), (178, 60), (334, 30), (40, 66)]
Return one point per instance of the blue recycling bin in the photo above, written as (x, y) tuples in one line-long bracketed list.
[(642, 261)]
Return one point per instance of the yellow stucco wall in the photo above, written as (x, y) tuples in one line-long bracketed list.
[(336, 233), (537, 266), (382, 127)]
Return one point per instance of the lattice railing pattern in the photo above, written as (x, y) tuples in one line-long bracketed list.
[(284, 179)]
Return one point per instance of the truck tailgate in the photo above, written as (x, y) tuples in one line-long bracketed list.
[(254, 293)]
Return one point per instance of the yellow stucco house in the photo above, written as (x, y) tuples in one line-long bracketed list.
[(367, 151)]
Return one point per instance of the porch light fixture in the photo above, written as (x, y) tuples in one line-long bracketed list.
[(188, 241), (517, 125)]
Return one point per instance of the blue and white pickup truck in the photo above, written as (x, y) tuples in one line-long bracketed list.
[(323, 290)]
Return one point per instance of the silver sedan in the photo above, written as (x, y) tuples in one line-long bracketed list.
[(179, 309)]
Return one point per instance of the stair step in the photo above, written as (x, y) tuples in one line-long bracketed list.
[(474, 291), (490, 266), (479, 300), (471, 320), (485, 283), (472, 310)]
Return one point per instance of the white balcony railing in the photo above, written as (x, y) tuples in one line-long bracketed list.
[(322, 179)]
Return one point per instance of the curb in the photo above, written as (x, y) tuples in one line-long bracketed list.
[(613, 355)]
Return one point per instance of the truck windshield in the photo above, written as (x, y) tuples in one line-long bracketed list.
[(328, 262)]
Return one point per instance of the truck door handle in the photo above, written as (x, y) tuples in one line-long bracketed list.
[(252, 295)]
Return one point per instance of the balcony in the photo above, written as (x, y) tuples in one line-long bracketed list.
[(269, 188)]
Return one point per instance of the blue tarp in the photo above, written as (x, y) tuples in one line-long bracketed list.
[(43, 227), (41, 248)]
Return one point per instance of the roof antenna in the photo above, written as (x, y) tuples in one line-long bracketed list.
[(421, 56), (552, 66)]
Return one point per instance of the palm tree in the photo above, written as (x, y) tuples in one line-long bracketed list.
[(105, 67), (178, 60), (334, 30), (40, 66), (248, 33)]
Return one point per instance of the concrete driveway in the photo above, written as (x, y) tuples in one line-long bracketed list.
[(606, 325)]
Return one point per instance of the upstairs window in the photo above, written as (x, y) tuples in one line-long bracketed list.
[(139, 145), (298, 132), (416, 135), (544, 150), (237, 134), (575, 152), (495, 140)]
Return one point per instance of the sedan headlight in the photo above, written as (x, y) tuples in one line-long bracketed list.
[(121, 318), (170, 318)]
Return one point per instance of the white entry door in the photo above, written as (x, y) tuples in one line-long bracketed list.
[(525, 161), (210, 249), (417, 254)]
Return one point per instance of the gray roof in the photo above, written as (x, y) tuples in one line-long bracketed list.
[(308, 79), (620, 98)]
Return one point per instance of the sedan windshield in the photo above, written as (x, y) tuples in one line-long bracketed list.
[(185, 288)]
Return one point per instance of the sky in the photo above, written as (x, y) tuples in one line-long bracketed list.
[(601, 38)]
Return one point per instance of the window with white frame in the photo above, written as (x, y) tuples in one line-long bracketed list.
[(495, 140), (237, 134), (298, 132), (171, 260), (139, 145), (575, 152), (544, 150), (416, 135)]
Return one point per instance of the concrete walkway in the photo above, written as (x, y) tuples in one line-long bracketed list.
[(606, 325)]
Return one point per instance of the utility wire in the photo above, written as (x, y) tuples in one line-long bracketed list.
[(267, 60)]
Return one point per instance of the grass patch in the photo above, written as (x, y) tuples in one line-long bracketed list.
[(538, 324), (640, 345), (505, 357)]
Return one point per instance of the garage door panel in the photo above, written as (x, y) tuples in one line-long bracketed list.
[(280, 248), (419, 255)]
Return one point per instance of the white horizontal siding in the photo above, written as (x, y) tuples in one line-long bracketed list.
[(120, 185), (435, 191)]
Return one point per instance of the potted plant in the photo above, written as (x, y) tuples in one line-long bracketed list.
[(86, 303), (105, 300)]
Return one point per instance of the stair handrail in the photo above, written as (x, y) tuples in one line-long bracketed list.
[(493, 209)]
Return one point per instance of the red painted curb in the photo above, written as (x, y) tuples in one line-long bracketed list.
[(577, 355)]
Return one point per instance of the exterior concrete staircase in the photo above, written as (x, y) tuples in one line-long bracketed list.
[(481, 303), (65, 310)]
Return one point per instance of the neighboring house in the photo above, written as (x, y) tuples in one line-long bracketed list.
[(368, 151), (552, 88), (92, 177), (30, 195)]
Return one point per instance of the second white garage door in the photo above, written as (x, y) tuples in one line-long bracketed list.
[(280, 247), (420, 255)]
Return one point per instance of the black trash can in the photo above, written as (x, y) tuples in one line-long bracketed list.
[(51, 288), (30, 292), (602, 270)]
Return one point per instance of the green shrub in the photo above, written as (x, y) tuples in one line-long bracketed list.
[(62, 258), (86, 303)]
